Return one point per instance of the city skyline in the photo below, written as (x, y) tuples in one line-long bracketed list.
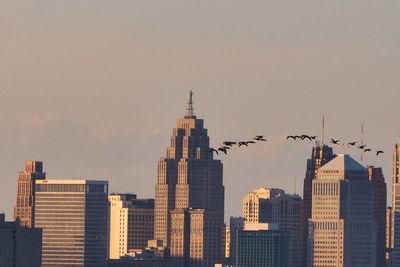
[(95, 96)]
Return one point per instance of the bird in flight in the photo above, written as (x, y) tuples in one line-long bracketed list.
[(379, 152), (313, 137), (352, 143), (362, 147), (222, 149), (333, 141), (367, 150), (243, 143), (229, 143), (305, 136), (260, 138), (213, 150), (291, 136)]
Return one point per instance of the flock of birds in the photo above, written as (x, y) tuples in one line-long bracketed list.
[(260, 138)]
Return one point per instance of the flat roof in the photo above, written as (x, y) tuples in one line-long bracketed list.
[(71, 181)]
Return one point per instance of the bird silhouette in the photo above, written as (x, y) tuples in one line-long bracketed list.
[(362, 147), (251, 142), (313, 137), (352, 143), (229, 143), (243, 143), (333, 141), (367, 150), (260, 138), (305, 136), (213, 150), (223, 149), (379, 152), (291, 136)]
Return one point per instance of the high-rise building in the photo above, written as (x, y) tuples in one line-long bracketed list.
[(379, 186), (274, 206), (24, 206), (320, 155), (131, 223), (235, 224), (389, 237), (19, 246), (342, 229), (261, 244), (190, 181), (255, 204), (73, 216), (396, 205)]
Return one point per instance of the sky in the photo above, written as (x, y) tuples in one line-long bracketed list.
[(94, 88)]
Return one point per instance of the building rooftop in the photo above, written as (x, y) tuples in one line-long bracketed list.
[(343, 162)]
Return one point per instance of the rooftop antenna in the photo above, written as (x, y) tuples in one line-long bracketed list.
[(295, 186), (190, 109), (323, 130)]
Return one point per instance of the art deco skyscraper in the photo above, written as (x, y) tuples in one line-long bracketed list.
[(24, 206), (320, 155), (396, 206), (342, 228), (190, 184)]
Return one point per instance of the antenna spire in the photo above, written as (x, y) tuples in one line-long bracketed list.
[(190, 109), (323, 130), (362, 139)]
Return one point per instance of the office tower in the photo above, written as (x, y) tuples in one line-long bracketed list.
[(24, 206), (190, 181), (235, 224), (389, 237), (131, 223), (379, 187), (254, 204), (73, 216), (19, 246), (275, 206), (262, 244), (320, 155), (342, 229), (396, 205)]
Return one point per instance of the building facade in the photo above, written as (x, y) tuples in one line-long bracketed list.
[(190, 182), (73, 216), (320, 155), (342, 228), (377, 179), (261, 244), (389, 237), (131, 223), (24, 206), (396, 206), (235, 224), (255, 204), (19, 246)]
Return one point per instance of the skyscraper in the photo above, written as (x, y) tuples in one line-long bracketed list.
[(379, 187), (131, 223), (24, 206), (320, 155), (73, 216), (190, 182), (389, 237), (396, 205), (274, 206), (342, 229)]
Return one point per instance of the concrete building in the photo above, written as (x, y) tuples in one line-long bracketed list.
[(375, 175), (190, 182), (320, 155), (19, 246), (254, 204), (261, 244), (342, 229), (235, 224), (24, 206), (131, 223), (389, 237), (73, 216), (396, 205)]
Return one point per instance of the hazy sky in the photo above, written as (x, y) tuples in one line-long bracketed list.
[(94, 88)]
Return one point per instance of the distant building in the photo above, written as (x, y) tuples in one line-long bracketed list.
[(24, 206), (389, 237), (262, 245), (379, 187), (19, 246), (190, 195), (342, 229), (320, 155), (131, 223), (396, 205), (73, 216), (275, 206), (235, 224)]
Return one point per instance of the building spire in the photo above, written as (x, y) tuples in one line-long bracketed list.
[(190, 109), (323, 130)]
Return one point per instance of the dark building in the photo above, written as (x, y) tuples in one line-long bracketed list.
[(262, 245), (19, 246), (320, 155), (379, 187), (24, 206)]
